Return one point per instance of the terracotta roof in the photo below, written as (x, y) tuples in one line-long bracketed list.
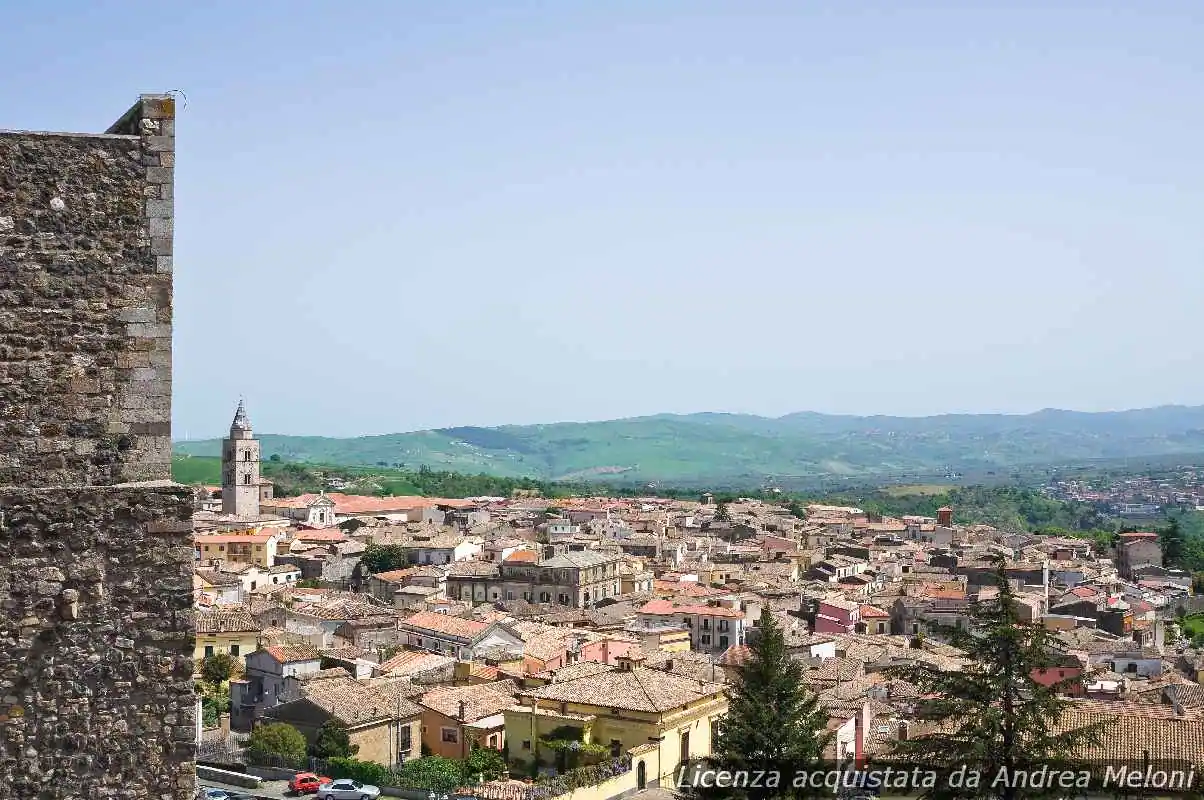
[(320, 536), (349, 504), (413, 662), (358, 702), (446, 624), (665, 608), (873, 612), (639, 689), (735, 656), (522, 556), (394, 575), (217, 577), (288, 654), (480, 700), (220, 620)]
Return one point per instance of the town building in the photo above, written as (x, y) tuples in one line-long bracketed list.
[(713, 627), (658, 718)]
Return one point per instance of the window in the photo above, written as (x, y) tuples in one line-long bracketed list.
[(706, 623), (450, 735), (403, 743), (616, 748), (562, 598), (247, 479), (545, 597), (246, 456), (724, 625), (234, 650), (723, 642), (706, 638), (208, 650), (510, 596), (526, 744)]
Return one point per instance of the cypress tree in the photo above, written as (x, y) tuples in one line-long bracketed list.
[(993, 714), (773, 723)]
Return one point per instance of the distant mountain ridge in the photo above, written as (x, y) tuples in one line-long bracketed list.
[(743, 448)]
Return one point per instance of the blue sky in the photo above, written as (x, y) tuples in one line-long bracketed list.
[(396, 215)]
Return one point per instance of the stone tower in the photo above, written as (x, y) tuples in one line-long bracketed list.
[(240, 468), (96, 552)]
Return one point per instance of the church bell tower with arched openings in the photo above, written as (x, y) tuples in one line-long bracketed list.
[(240, 468)]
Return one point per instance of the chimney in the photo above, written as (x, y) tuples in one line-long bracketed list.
[(629, 661), (463, 711), (902, 730), (944, 517)]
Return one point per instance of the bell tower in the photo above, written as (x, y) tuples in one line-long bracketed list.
[(240, 468)]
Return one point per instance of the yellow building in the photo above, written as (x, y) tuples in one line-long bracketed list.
[(226, 630), (256, 549), (658, 718)]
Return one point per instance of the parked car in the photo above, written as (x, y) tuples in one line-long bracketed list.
[(306, 783), (214, 793), (347, 789)]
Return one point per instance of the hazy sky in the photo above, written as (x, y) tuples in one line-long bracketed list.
[(398, 215)]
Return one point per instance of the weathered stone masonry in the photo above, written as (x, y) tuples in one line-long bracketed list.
[(96, 636)]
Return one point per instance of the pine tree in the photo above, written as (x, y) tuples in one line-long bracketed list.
[(992, 714), (773, 723)]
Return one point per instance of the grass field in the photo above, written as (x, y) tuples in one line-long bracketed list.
[(1193, 625), (924, 489), (196, 469)]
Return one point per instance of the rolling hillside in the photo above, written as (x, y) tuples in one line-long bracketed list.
[(743, 449)]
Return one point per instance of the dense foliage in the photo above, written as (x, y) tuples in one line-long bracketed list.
[(276, 740), (378, 558), (217, 668), (333, 741)]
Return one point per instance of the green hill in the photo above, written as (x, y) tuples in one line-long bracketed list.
[(744, 449)]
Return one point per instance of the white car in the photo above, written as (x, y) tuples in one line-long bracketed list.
[(347, 789)]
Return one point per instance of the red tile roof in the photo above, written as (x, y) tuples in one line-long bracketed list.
[(320, 536), (522, 556), (350, 504), (446, 624), (668, 608), (871, 612)]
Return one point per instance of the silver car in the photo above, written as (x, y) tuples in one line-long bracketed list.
[(347, 789)]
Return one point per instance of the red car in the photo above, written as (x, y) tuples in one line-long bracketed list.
[(306, 783)]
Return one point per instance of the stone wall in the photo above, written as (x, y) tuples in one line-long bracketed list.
[(96, 629), (85, 302), (96, 642)]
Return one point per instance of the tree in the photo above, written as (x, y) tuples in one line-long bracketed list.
[(277, 740), (773, 722), (483, 764), (384, 557), (333, 741), (992, 714), (1174, 546), (722, 514), (217, 668)]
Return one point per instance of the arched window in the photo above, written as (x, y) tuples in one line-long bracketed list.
[(247, 479)]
